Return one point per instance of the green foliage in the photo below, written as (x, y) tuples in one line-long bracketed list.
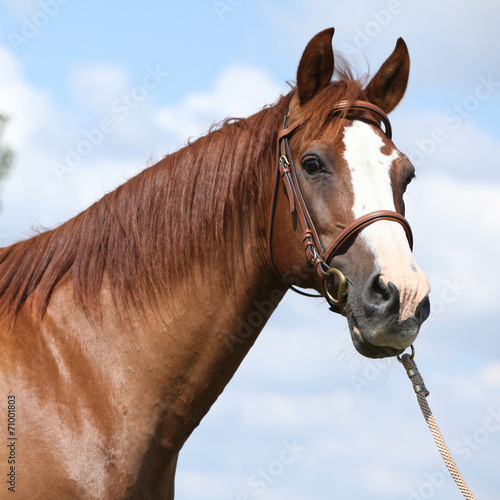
[(6, 155)]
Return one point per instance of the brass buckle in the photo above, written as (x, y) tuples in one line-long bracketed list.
[(284, 163), (342, 290), (314, 254)]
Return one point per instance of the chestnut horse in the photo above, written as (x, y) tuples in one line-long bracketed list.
[(120, 328)]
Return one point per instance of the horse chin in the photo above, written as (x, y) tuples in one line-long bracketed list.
[(364, 346)]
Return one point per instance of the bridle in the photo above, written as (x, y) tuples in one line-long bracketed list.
[(319, 256)]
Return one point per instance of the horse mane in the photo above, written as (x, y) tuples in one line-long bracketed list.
[(183, 209)]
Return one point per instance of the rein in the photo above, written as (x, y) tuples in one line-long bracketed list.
[(316, 253), (407, 360)]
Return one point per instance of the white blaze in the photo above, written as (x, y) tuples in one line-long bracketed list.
[(371, 184)]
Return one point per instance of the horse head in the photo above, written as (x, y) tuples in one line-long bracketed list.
[(345, 180)]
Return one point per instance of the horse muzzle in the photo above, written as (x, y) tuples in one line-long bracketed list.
[(374, 316)]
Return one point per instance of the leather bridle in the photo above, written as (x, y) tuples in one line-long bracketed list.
[(319, 256)]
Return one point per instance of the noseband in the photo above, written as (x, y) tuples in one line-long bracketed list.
[(316, 253)]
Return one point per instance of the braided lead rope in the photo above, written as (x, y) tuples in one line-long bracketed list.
[(422, 393)]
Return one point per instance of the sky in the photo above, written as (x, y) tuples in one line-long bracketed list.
[(97, 91)]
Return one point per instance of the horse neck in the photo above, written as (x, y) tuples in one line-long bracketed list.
[(218, 308), (219, 290)]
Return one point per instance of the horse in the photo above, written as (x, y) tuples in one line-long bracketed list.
[(121, 327)]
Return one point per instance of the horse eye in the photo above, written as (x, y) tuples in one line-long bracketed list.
[(312, 165)]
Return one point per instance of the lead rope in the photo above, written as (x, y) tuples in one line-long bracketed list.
[(421, 391)]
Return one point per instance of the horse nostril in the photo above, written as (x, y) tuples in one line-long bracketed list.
[(379, 298), (425, 309)]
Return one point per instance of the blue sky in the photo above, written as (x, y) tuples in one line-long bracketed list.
[(305, 417)]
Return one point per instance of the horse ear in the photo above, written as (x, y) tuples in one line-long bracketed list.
[(316, 66), (388, 86)]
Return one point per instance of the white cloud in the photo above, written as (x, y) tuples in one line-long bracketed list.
[(453, 207), (491, 374), (97, 86), (32, 133), (459, 239), (442, 54), (238, 91), (26, 107), (24, 7), (200, 484), (384, 479), (475, 387), (42, 134), (445, 142)]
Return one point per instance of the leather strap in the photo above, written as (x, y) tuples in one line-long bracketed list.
[(360, 223), (290, 129), (366, 106), (341, 105)]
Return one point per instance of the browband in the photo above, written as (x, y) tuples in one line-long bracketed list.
[(341, 105)]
